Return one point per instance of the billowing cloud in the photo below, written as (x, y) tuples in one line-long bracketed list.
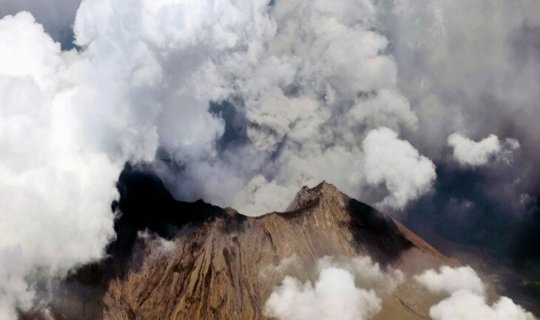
[(344, 290), (145, 77), (307, 103), (466, 305), (398, 165), (467, 298), (334, 295), (448, 280), (55, 212), (368, 274), (471, 153)]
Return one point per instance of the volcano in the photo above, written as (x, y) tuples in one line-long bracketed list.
[(180, 260)]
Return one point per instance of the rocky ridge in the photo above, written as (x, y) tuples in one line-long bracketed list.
[(212, 265)]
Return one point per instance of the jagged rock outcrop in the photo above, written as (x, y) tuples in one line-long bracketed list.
[(213, 267)]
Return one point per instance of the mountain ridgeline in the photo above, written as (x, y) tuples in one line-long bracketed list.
[(180, 260)]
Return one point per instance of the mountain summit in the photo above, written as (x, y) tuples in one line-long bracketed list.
[(213, 263)]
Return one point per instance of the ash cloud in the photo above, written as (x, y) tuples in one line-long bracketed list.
[(307, 106), (241, 103)]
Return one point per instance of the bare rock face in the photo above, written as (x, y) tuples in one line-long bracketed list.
[(215, 267)]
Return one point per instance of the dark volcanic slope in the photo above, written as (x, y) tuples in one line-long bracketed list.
[(213, 266)]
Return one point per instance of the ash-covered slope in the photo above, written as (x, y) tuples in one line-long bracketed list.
[(213, 266)]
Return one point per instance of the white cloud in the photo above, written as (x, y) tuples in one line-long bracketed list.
[(56, 190), (466, 305), (405, 173), (470, 153), (345, 289), (448, 280), (368, 274), (467, 298), (334, 295)]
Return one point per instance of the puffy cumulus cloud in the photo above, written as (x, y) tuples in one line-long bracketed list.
[(396, 163), (346, 289), (470, 153), (448, 280), (334, 295), (467, 305), (467, 298), (56, 189)]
